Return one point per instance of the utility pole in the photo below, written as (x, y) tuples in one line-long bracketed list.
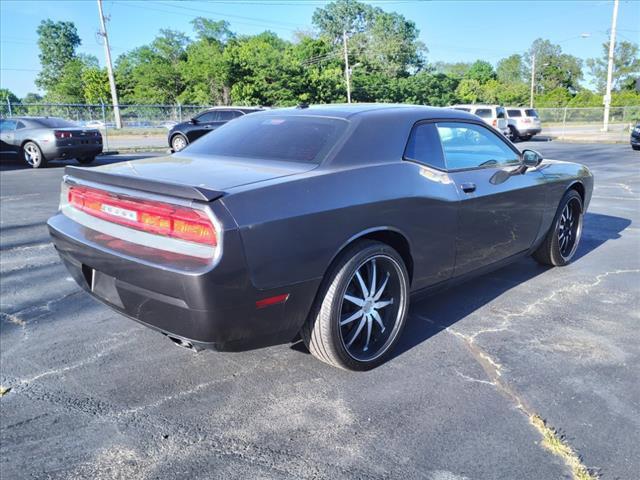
[(533, 77), (612, 46), (112, 81), (347, 74)]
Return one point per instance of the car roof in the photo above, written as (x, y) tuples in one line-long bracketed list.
[(233, 107), (350, 110), (476, 105)]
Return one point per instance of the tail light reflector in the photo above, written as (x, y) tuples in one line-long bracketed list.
[(149, 216), (495, 122)]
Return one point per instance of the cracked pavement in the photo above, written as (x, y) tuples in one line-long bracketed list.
[(94, 395)]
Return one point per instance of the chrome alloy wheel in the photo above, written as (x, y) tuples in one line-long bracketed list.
[(31, 154), (569, 228), (372, 305)]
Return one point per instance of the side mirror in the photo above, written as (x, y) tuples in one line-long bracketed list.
[(531, 158), (194, 121)]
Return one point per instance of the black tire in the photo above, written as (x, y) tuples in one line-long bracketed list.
[(513, 134), (179, 142), (552, 251), (86, 160), (32, 155), (326, 330), (635, 147), (526, 138)]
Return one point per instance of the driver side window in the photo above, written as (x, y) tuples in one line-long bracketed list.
[(467, 145)]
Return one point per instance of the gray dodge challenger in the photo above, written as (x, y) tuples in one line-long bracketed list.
[(37, 140), (314, 222)]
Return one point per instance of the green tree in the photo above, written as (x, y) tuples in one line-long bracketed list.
[(212, 30), (95, 85), (554, 69), (70, 87), (7, 95), (469, 91), (481, 71), (558, 97), (510, 69), (626, 66), (425, 88), (343, 16), (456, 69), (32, 98), (57, 42)]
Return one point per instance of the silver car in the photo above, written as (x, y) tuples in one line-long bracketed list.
[(38, 140), (523, 122)]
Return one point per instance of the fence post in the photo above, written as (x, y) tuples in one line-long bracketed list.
[(179, 113), (9, 105), (564, 122), (106, 128)]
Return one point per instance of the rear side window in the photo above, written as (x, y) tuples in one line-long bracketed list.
[(20, 125), (424, 146), (514, 113), (484, 112), (467, 145), (287, 138), (500, 112), (530, 112), (226, 115)]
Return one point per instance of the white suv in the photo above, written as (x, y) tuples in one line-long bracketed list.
[(493, 115), (523, 123)]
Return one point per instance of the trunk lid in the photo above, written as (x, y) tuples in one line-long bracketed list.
[(194, 177)]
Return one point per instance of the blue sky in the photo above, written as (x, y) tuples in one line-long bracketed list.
[(453, 31)]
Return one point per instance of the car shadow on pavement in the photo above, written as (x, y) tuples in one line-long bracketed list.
[(429, 315)]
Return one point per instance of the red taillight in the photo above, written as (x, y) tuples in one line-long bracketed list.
[(154, 217), (60, 134), (494, 123)]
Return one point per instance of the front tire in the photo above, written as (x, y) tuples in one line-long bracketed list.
[(33, 156), (563, 238), (178, 142), (361, 308)]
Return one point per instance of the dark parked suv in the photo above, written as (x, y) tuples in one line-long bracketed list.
[(635, 137), (184, 133)]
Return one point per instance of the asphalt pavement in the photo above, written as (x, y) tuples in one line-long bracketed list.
[(91, 394)]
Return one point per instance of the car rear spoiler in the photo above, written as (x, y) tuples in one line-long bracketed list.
[(136, 183)]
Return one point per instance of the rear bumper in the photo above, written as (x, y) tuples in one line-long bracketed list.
[(209, 307), (529, 131), (53, 152)]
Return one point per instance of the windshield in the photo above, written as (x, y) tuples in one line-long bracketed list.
[(286, 138), (54, 122)]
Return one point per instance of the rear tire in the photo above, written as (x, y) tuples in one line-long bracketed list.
[(32, 155), (86, 160), (513, 134), (563, 238), (360, 309), (635, 147)]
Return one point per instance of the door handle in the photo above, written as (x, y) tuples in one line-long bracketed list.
[(468, 187)]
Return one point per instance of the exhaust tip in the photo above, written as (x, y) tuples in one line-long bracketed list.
[(184, 343)]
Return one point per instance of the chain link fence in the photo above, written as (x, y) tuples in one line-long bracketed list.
[(153, 121)]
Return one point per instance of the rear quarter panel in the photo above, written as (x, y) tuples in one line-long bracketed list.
[(292, 230)]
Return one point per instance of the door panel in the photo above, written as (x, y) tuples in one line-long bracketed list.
[(499, 218), (500, 207)]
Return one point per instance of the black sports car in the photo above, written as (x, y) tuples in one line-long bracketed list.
[(182, 134), (318, 222), (41, 139)]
